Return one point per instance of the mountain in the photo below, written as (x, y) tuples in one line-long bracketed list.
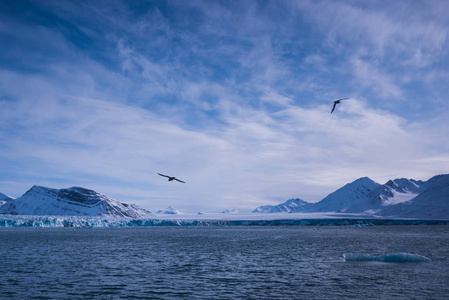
[(391, 193), (169, 211), (431, 203), (230, 211), (398, 198), (74, 201), (347, 196), (4, 199), (292, 205)]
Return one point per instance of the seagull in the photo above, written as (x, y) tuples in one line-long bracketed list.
[(170, 178), (337, 102)]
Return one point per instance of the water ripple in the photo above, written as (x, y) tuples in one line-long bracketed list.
[(220, 263)]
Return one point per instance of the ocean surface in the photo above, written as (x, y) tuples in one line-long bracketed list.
[(291, 262)]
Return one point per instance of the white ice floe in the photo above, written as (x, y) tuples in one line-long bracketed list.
[(392, 257)]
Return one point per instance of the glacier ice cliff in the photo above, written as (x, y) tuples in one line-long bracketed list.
[(90, 222)]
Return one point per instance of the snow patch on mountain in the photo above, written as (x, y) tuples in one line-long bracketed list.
[(399, 197), (400, 190), (431, 203)]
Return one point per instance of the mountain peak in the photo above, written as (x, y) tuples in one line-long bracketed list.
[(363, 180), (291, 205), (349, 195), (169, 211), (437, 180)]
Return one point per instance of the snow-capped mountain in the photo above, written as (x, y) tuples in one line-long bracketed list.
[(398, 191), (353, 197), (398, 198), (169, 211), (4, 199), (431, 203), (74, 201), (292, 205), (391, 193), (347, 196)]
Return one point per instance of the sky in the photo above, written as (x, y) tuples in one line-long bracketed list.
[(232, 97)]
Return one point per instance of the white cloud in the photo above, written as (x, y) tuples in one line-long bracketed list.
[(389, 45), (229, 108), (381, 27), (368, 75), (258, 156)]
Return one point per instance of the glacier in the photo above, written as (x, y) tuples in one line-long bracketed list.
[(392, 257), (202, 220)]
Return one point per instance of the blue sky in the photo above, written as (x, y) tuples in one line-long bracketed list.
[(233, 97)]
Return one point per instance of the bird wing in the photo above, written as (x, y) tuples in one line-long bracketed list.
[(163, 175), (335, 104), (179, 180)]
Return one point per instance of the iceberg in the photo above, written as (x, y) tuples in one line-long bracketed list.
[(392, 257)]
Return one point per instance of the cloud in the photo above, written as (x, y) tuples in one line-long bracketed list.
[(234, 99), (391, 46), (255, 156), (370, 76), (382, 27)]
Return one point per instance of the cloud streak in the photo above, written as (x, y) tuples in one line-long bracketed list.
[(234, 99), (295, 151)]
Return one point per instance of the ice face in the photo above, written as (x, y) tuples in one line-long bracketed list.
[(197, 220), (392, 257)]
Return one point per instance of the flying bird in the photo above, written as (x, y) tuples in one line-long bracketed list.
[(171, 178), (337, 102)]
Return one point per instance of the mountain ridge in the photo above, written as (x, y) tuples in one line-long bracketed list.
[(74, 201), (400, 198)]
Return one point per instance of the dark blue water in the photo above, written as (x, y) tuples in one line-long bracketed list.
[(221, 263)]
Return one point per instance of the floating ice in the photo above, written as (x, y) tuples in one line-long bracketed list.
[(392, 257)]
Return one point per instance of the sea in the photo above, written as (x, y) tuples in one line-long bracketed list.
[(263, 262)]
